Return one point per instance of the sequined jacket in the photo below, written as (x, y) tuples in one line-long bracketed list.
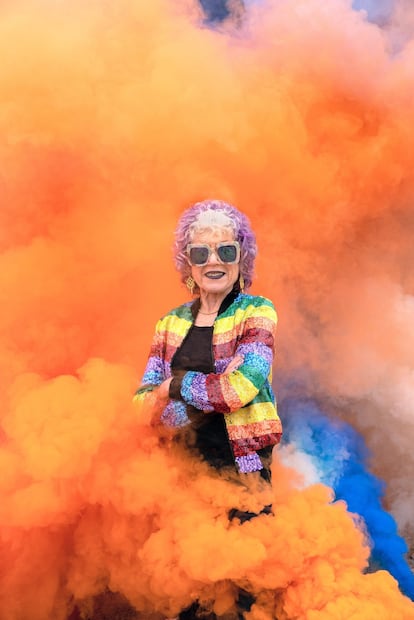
[(244, 326)]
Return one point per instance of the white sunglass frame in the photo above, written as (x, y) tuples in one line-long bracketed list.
[(212, 249)]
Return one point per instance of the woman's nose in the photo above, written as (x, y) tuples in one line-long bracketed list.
[(213, 258)]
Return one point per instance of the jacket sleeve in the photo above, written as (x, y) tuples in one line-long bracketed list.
[(226, 393), (154, 373)]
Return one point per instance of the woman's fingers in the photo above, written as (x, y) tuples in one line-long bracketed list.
[(234, 364), (161, 394), (163, 390)]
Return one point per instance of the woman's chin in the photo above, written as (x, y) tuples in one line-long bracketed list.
[(218, 287)]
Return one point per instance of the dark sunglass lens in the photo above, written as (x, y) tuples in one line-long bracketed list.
[(227, 253), (198, 255)]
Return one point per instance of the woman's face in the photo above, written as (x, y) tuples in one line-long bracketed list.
[(215, 277)]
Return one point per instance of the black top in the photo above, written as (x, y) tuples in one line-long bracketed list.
[(196, 352), (207, 433)]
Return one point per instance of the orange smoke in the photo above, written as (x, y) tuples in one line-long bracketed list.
[(115, 116)]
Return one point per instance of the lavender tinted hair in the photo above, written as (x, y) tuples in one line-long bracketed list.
[(242, 233)]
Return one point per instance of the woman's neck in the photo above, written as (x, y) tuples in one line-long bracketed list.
[(209, 306), (211, 302)]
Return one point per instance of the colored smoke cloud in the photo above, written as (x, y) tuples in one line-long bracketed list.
[(115, 116), (336, 455)]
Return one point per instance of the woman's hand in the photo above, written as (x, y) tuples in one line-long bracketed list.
[(161, 398), (234, 364), (162, 391)]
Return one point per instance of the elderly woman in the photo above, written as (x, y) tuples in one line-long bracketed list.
[(210, 364)]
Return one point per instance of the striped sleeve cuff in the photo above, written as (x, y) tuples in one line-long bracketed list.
[(249, 463)]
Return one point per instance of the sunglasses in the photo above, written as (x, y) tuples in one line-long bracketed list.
[(199, 253)]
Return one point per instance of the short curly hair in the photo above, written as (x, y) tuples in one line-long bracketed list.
[(238, 222)]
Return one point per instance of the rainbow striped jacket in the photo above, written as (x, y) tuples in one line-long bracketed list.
[(245, 397)]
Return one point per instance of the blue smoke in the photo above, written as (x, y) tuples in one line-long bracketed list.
[(378, 11), (340, 456), (215, 10)]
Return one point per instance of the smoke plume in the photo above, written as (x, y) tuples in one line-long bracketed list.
[(116, 116)]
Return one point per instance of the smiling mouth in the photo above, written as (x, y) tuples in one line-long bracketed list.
[(214, 275)]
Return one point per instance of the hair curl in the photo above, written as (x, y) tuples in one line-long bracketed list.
[(242, 231)]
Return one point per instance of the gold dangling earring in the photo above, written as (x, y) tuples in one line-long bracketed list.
[(241, 283), (190, 284)]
